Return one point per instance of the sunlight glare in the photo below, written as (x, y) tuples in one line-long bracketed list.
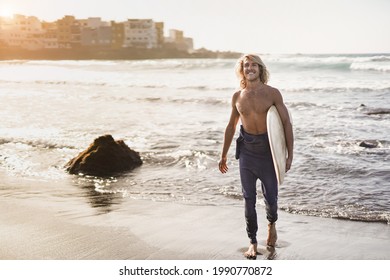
[(6, 12)]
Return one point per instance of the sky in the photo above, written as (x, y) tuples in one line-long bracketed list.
[(255, 26)]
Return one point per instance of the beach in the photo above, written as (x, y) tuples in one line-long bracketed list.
[(333, 204), (150, 230), (174, 113)]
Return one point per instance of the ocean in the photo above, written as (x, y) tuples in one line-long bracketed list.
[(174, 112)]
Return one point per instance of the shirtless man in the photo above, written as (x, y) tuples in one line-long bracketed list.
[(250, 105)]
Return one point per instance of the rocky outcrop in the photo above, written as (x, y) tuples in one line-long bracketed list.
[(104, 157), (369, 144)]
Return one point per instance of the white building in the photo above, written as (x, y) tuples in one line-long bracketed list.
[(24, 32), (177, 40), (140, 33)]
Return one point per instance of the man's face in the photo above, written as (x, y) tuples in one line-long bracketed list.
[(251, 70)]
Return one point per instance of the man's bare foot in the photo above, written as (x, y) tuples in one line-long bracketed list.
[(252, 251), (272, 235)]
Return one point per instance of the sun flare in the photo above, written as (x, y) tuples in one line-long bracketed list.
[(6, 12)]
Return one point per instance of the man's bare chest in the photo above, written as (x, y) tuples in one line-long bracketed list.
[(253, 104)]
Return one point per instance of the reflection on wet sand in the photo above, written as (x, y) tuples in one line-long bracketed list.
[(99, 199)]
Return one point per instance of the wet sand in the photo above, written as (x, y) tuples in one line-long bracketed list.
[(150, 230)]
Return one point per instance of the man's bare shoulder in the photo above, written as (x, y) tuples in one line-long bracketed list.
[(275, 95), (238, 92), (271, 89), (236, 95), (273, 92)]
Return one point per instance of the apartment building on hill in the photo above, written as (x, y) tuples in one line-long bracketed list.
[(28, 32)]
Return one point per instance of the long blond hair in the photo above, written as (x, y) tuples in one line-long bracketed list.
[(264, 74)]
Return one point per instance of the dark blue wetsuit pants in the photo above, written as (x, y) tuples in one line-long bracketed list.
[(255, 159)]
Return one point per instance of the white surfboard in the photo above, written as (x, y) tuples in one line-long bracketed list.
[(277, 142)]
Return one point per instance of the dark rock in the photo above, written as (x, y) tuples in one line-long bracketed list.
[(379, 111), (104, 157), (369, 144), (373, 111)]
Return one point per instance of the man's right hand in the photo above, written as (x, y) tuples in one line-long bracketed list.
[(223, 166)]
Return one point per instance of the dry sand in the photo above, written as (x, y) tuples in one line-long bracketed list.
[(168, 231)]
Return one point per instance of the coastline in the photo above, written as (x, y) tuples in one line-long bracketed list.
[(148, 230), (86, 53)]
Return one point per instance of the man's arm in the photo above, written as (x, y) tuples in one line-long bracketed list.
[(229, 134), (288, 131)]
